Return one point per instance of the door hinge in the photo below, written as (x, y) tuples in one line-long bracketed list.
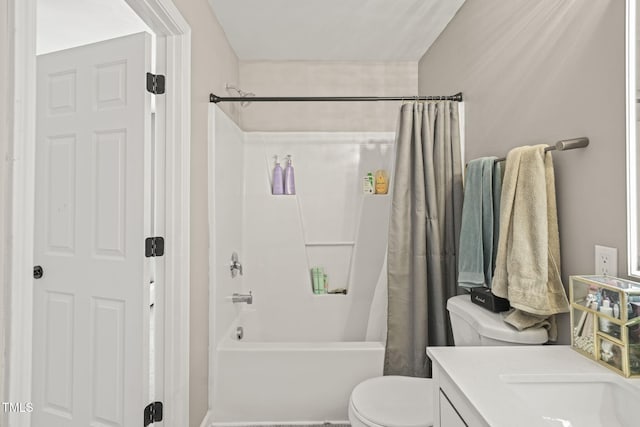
[(37, 272), (155, 83), (152, 413), (153, 246)]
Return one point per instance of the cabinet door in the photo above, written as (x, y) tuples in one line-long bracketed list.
[(448, 415)]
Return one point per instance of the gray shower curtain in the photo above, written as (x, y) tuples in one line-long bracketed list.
[(423, 234)]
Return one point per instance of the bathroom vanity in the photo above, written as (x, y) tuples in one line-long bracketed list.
[(549, 385)]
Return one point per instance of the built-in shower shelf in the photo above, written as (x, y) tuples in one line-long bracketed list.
[(349, 243)]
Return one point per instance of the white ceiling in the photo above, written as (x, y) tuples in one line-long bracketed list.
[(333, 30)]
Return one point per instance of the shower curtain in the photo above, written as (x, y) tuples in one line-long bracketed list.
[(423, 234)]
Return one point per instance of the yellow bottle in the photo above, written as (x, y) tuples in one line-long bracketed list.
[(382, 182)]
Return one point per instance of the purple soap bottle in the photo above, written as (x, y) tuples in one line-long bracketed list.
[(278, 180), (289, 179)]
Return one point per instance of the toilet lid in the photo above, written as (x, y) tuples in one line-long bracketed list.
[(395, 401), (492, 325)]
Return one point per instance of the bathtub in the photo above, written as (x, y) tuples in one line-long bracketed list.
[(262, 378)]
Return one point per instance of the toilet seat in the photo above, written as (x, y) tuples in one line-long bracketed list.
[(393, 401)]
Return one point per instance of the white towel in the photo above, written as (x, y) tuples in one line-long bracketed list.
[(528, 260)]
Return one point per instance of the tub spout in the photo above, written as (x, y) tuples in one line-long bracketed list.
[(236, 298)]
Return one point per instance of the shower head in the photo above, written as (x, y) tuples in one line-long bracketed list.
[(241, 93)]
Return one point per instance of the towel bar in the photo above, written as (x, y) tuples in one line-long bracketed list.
[(563, 145)]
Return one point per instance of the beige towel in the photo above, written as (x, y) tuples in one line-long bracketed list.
[(528, 260)]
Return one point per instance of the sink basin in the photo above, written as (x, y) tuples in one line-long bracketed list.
[(577, 400)]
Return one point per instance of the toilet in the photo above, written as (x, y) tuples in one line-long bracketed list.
[(397, 401)]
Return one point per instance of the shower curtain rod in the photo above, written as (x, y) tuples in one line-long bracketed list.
[(216, 99), (563, 145)]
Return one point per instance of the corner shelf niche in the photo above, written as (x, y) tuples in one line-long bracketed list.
[(334, 258)]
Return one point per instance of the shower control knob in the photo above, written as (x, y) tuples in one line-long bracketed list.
[(235, 266)]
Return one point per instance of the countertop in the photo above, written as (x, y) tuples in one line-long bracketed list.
[(479, 372)]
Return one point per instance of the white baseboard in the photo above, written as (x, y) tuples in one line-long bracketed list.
[(207, 421)]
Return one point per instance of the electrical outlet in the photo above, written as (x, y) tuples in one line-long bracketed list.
[(606, 261)]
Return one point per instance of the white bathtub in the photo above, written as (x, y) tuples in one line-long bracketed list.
[(287, 382)]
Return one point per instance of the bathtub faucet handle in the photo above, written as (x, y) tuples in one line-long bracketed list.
[(246, 298)]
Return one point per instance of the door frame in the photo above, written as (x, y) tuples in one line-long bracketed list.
[(163, 18)]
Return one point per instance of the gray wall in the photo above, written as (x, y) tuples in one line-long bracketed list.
[(536, 72), (213, 64), (325, 78)]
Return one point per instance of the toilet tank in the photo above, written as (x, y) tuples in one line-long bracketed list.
[(473, 325)]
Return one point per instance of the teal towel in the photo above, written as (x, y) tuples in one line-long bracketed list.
[(477, 254)]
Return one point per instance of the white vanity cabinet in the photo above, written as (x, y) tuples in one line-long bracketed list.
[(451, 407), (448, 414), (527, 386)]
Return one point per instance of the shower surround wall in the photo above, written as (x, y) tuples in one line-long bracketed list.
[(330, 223), (303, 353), (226, 202)]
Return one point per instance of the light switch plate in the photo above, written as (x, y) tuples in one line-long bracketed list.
[(606, 261)]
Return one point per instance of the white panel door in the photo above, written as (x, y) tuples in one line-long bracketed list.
[(91, 306)]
